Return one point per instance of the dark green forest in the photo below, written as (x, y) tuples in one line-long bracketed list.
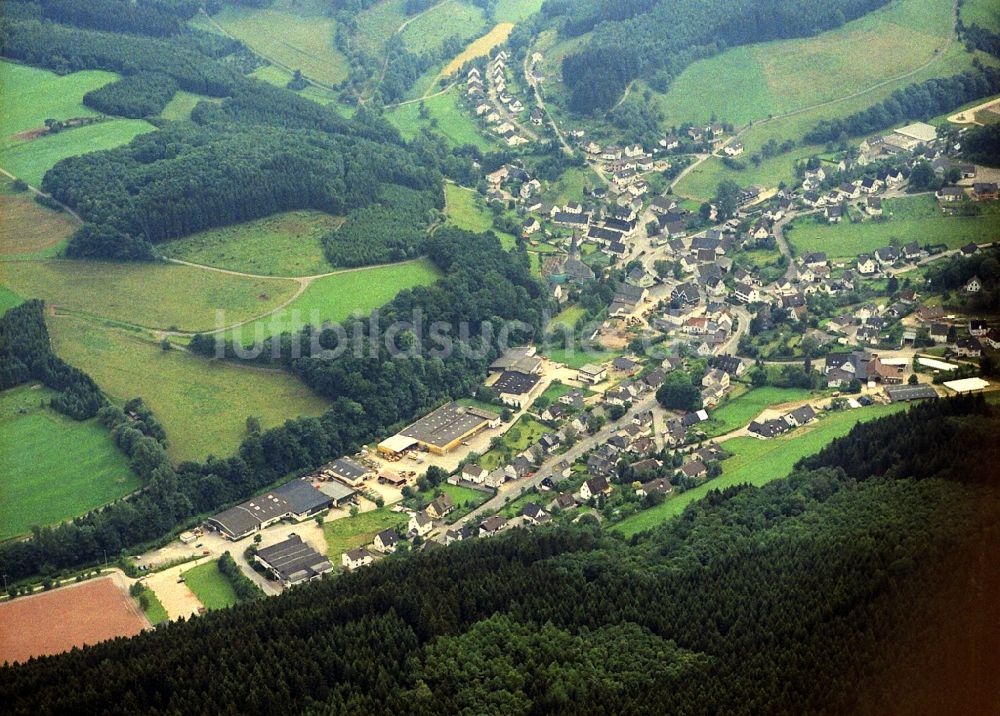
[(657, 39), (830, 591)]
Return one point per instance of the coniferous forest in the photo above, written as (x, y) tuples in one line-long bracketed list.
[(831, 591)]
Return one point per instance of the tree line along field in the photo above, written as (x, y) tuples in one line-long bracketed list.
[(916, 218), (53, 468), (202, 404), (339, 295), (295, 33), (758, 462), (286, 244), (33, 95), (27, 228), (151, 295)]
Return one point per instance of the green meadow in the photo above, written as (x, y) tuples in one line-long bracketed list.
[(151, 295), (908, 219), (752, 82), (338, 296), (445, 116), (179, 108), (203, 404), (350, 532), (53, 468), (286, 244), (212, 587), (757, 462), (295, 33), (27, 228), (448, 19), (33, 95), (738, 412)]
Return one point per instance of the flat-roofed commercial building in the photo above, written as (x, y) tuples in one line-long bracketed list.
[(442, 430)]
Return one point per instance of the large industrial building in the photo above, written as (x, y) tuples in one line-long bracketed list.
[(297, 500), (440, 431), (293, 561)]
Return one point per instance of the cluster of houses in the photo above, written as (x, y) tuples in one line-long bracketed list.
[(499, 108), (778, 426)]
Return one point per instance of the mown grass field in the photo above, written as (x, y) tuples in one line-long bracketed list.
[(751, 82), (179, 108), (294, 33), (738, 412), (286, 244), (568, 317), (516, 10), (351, 532), (27, 227), (523, 433), (912, 219), (446, 117), (53, 468), (448, 19), (152, 295), (202, 404), (212, 587), (31, 96), (336, 297), (757, 462)]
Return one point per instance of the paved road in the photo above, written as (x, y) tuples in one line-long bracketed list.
[(579, 448)]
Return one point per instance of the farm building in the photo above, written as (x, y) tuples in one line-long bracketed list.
[(906, 393), (293, 561), (297, 500), (440, 431), (967, 385)]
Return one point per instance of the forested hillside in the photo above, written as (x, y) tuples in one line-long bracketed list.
[(262, 151), (821, 593), (657, 39)]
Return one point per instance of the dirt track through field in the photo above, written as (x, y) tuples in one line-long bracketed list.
[(56, 621)]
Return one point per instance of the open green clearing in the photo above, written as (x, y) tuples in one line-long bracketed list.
[(163, 296), (8, 299), (286, 244), (350, 532), (336, 297), (377, 24), (447, 19), (179, 108), (211, 586), (752, 82), (738, 412), (445, 116), (464, 498), (985, 13), (466, 209), (759, 461), (568, 317), (579, 358), (30, 96), (202, 404), (294, 33), (523, 433), (915, 218), (516, 10), (27, 228), (53, 468)]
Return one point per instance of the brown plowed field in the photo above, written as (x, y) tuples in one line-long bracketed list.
[(56, 621)]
